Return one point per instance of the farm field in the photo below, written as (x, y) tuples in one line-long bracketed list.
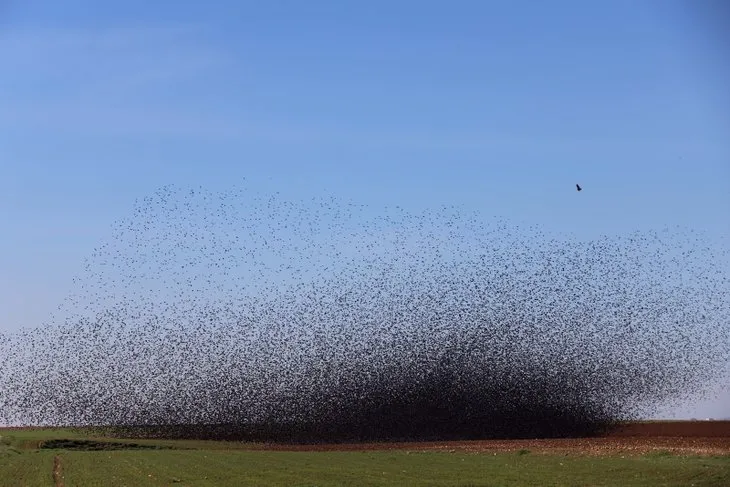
[(642, 454)]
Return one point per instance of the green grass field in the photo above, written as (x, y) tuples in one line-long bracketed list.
[(24, 462)]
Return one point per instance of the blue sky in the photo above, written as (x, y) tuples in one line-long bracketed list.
[(500, 107)]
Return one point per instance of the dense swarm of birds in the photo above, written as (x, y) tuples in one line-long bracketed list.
[(239, 315)]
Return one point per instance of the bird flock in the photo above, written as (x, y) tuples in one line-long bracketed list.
[(243, 315)]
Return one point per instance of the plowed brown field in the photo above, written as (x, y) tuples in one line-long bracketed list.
[(677, 437)]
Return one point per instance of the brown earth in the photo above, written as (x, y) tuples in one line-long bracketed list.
[(676, 437), (693, 429)]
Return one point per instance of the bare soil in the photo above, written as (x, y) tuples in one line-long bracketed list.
[(660, 437)]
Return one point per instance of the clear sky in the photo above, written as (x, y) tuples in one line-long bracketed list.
[(497, 106)]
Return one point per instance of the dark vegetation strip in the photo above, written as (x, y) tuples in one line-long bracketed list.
[(93, 445)]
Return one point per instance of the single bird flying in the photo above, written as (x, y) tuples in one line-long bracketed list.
[(577, 186)]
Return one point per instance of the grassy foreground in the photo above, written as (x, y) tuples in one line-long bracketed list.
[(23, 463)]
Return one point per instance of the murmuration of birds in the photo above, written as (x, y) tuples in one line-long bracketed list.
[(246, 316)]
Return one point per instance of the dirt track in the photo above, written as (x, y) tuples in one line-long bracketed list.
[(678, 437)]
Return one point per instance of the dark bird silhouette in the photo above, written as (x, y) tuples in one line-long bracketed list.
[(577, 186)]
